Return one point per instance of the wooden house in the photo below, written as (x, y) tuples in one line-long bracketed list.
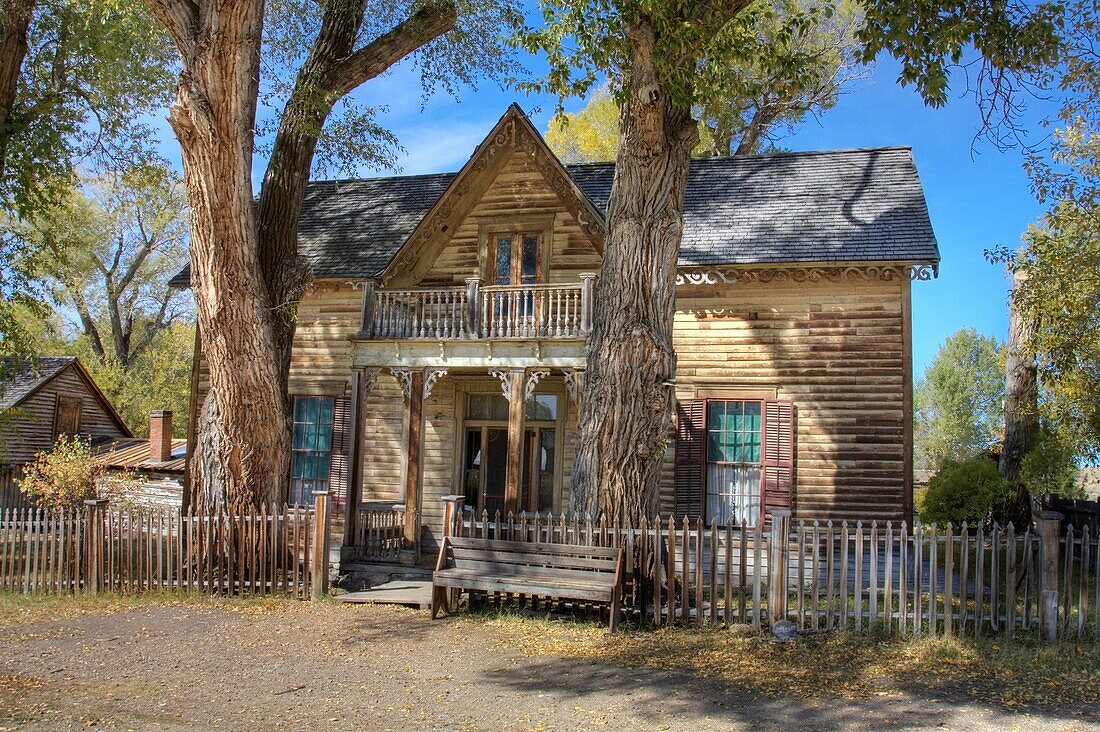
[(42, 398), (445, 334)]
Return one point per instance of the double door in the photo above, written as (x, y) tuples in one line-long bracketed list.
[(486, 467)]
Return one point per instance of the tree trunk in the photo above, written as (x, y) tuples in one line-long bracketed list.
[(626, 408), (13, 50), (1021, 401), (214, 117)]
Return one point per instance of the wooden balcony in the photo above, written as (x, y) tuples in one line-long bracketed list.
[(476, 312)]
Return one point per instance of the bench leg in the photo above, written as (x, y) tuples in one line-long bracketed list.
[(616, 608), (437, 593)]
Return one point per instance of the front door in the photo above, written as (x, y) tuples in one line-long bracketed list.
[(485, 453)]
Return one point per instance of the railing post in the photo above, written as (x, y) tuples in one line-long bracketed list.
[(778, 551), (588, 285), (473, 293), (366, 320), (319, 568), (452, 514), (1050, 525), (93, 542)]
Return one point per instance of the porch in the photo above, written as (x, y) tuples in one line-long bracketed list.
[(495, 438)]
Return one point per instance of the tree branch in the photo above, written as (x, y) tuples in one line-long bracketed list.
[(376, 57), (181, 19)]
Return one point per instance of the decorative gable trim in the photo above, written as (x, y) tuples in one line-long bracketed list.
[(513, 131)]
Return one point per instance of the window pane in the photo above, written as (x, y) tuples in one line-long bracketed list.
[(477, 406), (504, 260), (326, 406), (546, 470), (752, 416), (530, 258), (733, 494), (499, 408), (542, 406), (715, 412)]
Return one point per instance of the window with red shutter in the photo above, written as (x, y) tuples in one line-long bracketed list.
[(778, 455), (734, 459), (690, 444)]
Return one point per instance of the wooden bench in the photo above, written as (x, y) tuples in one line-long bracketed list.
[(563, 571)]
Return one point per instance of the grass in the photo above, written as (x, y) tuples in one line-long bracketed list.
[(1009, 673), (18, 608)]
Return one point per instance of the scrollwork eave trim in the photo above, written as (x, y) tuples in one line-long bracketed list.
[(922, 271)]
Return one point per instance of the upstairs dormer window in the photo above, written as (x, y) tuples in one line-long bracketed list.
[(515, 258)]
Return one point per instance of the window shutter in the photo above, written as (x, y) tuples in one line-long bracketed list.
[(67, 416), (778, 455), (690, 446), (341, 443)]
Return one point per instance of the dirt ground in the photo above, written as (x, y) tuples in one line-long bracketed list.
[(285, 665)]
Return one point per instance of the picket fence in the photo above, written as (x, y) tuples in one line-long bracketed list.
[(106, 548), (924, 579)]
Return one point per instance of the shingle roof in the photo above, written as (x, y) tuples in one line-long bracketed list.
[(831, 206), (134, 452), (21, 377)]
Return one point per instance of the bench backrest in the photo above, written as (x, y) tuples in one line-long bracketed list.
[(519, 555)]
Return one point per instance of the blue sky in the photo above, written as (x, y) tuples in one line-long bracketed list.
[(978, 197)]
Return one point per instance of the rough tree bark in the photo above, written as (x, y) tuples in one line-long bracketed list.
[(214, 117), (1021, 402), (333, 69), (14, 27), (627, 403)]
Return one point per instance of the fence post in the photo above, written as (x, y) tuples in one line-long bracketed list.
[(1050, 525), (778, 551), (452, 514), (93, 543), (319, 569)]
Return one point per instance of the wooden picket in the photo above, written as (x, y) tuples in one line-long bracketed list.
[(128, 550), (943, 580)]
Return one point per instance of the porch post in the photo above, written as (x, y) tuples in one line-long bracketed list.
[(366, 317), (516, 413), (412, 466), (362, 382)]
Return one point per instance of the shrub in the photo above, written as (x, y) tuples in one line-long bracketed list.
[(63, 477), (967, 490)]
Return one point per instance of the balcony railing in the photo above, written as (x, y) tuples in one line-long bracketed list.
[(536, 311)]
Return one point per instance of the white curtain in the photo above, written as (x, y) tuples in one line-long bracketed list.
[(733, 494)]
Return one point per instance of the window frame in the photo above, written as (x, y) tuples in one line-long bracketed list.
[(517, 228), (707, 462), (464, 388), (295, 451)]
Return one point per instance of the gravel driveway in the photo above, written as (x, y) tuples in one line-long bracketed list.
[(225, 665)]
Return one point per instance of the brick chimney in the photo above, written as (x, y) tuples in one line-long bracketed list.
[(160, 435)]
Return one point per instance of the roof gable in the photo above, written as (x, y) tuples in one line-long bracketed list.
[(26, 376), (513, 132)]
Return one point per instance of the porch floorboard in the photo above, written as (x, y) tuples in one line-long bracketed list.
[(411, 593)]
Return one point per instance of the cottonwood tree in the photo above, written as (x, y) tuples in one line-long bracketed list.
[(245, 270), (659, 57), (753, 104), (957, 402), (120, 236), (76, 79)]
